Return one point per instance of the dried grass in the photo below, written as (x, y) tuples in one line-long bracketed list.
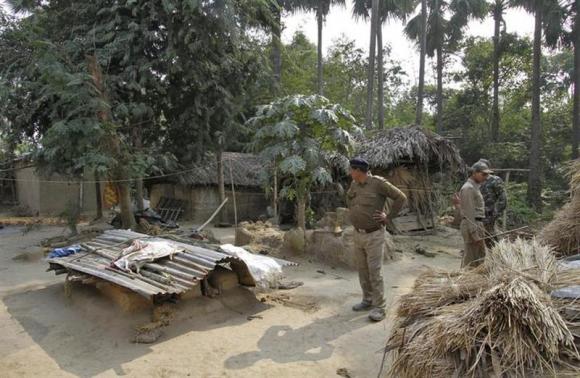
[(416, 185), (498, 318), (387, 148), (563, 233), (528, 258)]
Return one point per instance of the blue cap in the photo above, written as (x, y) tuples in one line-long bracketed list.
[(359, 163)]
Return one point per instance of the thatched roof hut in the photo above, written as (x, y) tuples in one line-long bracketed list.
[(244, 168), (408, 157), (197, 188), (390, 148)]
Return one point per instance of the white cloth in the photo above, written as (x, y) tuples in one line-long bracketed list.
[(141, 252), (266, 271)]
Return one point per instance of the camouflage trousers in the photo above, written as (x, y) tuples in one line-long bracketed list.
[(489, 231), (369, 251)]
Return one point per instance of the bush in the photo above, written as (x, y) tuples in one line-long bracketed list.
[(519, 213)]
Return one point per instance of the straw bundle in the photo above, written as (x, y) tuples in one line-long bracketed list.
[(528, 258), (563, 233), (436, 289), (497, 318)]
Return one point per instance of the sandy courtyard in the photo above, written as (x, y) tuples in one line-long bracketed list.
[(306, 332)]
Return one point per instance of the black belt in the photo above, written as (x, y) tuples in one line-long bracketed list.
[(369, 230), (479, 219)]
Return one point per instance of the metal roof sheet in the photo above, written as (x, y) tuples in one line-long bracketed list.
[(162, 278)]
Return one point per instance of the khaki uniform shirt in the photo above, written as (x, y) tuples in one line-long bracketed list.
[(472, 207), (366, 198)]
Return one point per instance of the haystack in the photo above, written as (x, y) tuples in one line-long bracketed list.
[(409, 157), (497, 319), (563, 233)]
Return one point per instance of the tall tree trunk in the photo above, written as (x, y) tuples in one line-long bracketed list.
[(380, 74), (114, 144), (127, 217), (98, 195), (576, 111), (439, 125), (221, 181), (371, 70), (301, 212), (535, 175), (497, 15), (277, 48), (423, 48), (320, 21)]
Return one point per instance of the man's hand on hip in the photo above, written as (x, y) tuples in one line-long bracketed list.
[(380, 217)]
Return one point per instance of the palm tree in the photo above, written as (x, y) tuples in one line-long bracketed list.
[(497, 10), (548, 15), (443, 33), (386, 9), (321, 8), (422, 52), (277, 8)]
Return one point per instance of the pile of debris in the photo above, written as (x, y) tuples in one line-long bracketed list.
[(498, 319), (563, 233), (160, 268), (259, 237)]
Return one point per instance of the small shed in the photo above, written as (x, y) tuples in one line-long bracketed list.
[(409, 157), (197, 188)]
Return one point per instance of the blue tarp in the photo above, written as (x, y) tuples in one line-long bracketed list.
[(62, 252)]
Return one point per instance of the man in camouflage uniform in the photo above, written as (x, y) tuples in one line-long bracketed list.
[(366, 201), (495, 199)]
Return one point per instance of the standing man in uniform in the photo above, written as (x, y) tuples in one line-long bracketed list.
[(472, 213), (495, 200), (366, 200)]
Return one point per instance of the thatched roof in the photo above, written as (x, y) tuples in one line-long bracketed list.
[(388, 148), (245, 170)]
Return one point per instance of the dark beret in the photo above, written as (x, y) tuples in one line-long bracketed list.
[(359, 163)]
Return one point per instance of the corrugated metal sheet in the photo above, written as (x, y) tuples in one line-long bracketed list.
[(158, 279)]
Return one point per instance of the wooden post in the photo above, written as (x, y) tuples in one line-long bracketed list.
[(98, 192), (275, 198), (234, 197), (507, 181)]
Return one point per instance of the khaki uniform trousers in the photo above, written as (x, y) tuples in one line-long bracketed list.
[(473, 252), (369, 251)]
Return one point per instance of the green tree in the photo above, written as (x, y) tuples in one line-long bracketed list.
[(572, 38), (321, 8), (498, 8), (298, 134), (387, 10), (104, 82), (548, 15), (445, 24)]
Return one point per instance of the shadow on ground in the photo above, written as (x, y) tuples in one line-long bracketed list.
[(313, 342), (87, 334)]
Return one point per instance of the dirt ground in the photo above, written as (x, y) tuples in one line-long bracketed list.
[(309, 331)]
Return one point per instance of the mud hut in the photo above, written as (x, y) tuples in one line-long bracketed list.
[(410, 157), (198, 188)]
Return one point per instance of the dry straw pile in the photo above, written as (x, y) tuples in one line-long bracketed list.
[(496, 320), (563, 233)]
